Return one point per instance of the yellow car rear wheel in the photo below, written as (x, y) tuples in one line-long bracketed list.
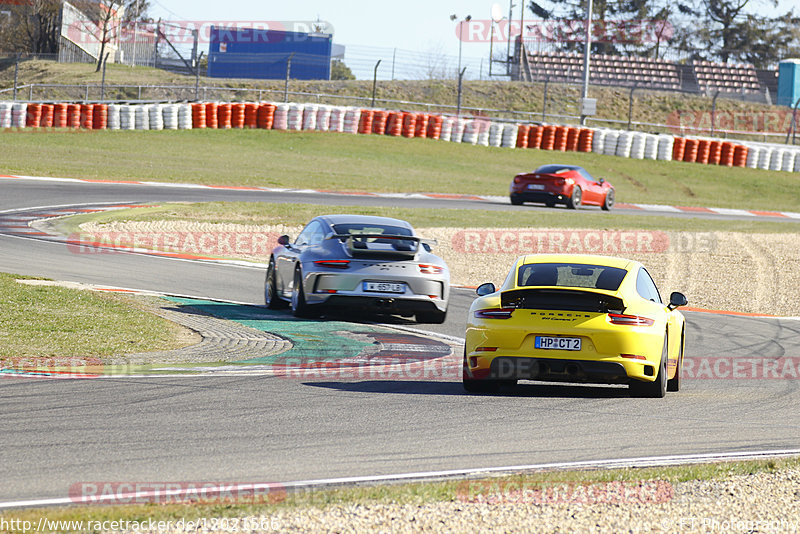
[(658, 388)]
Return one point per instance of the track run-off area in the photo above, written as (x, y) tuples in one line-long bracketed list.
[(254, 424)]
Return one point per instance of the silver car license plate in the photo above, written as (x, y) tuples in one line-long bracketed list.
[(385, 287), (558, 343)]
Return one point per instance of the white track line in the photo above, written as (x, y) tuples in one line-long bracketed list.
[(422, 476)]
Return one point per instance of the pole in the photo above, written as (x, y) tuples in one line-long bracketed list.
[(793, 128), (544, 104), (394, 55), (103, 81), (375, 82), (587, 52), (460, 42), (714, 112), (508, 32), (157, 39), (491, 43), (16, 75), (197, 77), (135, 33), (288, 70), (458, 102), (630, 106)]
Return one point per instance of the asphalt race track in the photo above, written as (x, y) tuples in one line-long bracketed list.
[(58, 433)]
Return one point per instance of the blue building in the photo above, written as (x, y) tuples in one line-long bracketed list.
[(264, 54)]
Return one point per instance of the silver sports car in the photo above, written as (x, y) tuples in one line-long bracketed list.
[(374, 264)]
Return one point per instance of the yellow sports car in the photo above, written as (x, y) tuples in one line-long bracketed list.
[(575, 318)]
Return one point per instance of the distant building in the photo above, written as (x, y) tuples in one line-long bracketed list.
[(265, 54)]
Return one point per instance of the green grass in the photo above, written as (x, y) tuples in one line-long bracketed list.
[(55, 322), (412, 494), (371, 163), (525, 217)]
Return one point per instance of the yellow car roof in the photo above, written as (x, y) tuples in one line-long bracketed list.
[(588, 259)]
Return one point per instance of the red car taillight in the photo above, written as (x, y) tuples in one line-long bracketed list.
[(494, 313), (424, 268), (629, 320), (336, 264)]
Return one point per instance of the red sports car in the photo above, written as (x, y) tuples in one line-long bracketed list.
[(562, 184)]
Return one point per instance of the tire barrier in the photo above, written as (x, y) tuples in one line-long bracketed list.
[(585, 140), (624, 143), (324, 118), (788, 161), (523, 130), (612, 137), (548, 137), (703, 150), (198, 116), (599, 141), (678, 148), (294, 118), (457, 134), (114, 116), (156, 113), (509, 136), (434, 130), (169, 116), (421, 125), (352, 120), (753, 155), (651, 146), (33, 115), (726, 154), (714, 152), (224, 117), (535, 136), (251, 115), (379, 118), (336, 123), (87, 116), (365, 122), (394, 124), (5, 115), (572, 139), (310, 117), (470, 130), (60, 117), (265, 116), (47, 115), (690, 150), (560, 139), (237, 115), (764, 158), (447, 129), (638, 142), (666, 145)]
